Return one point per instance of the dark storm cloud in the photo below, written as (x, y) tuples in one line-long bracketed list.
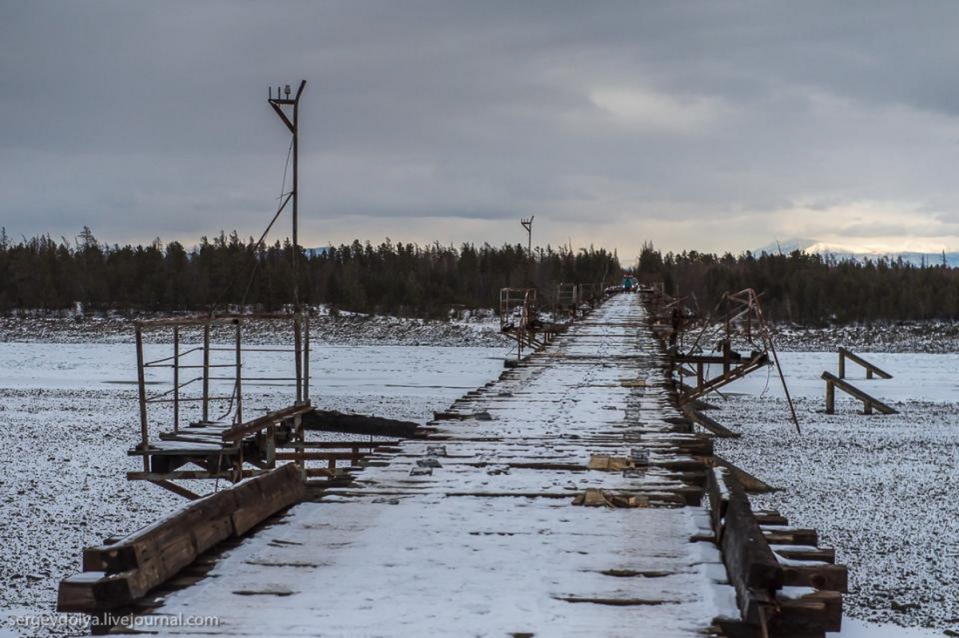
[(707, 125)]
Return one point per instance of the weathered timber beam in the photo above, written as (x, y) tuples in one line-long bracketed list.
[(260, 423), (710, 424), (817, 575), (750, 483), (116, 575), (332, 421)]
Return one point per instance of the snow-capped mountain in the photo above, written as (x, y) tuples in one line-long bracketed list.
[(841, 252)]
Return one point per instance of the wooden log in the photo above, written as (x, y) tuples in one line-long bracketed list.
[(115, 575), (750, 563), (332, 421), (261, 497)]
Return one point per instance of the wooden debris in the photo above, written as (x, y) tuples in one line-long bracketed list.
[(594, 497), (609, 463)]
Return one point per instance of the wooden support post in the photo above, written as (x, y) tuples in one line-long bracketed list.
[(700, 378), (271, 446), (830, 397), (842, 364), (727, 357), (206, 371), (867, 407), (306, 357), (142, 391), (176, 378), (239, 374), (297, 347)]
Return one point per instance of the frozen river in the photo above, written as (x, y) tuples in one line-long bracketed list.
[(68, 415), (879, 488)]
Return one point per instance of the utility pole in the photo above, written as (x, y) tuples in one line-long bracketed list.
[(528, 225), (281, 103)]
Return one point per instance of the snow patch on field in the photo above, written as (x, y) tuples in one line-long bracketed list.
[(880, 489), (68, 416), (345, 329)]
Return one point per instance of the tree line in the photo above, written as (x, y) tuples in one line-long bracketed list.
[(808, 288), (396, 278)]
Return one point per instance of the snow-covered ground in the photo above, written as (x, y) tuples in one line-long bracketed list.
[(68, 415), (883, 337), (880, 489), (478, 330)]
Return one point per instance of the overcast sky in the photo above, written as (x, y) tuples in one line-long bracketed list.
[(708, 126)]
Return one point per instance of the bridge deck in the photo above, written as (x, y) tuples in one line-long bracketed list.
[(490, 543)]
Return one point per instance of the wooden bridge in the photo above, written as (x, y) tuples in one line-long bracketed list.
[(570, 496)]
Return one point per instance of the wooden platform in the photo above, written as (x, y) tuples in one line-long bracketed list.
[(474, 530)]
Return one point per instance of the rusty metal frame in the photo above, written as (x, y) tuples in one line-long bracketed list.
[(276, 427), (742, 315)]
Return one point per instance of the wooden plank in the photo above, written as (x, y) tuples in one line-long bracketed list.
[(260, 423), (710, 424), (319, 456), (750, 483), (824, 554), (791, 536)]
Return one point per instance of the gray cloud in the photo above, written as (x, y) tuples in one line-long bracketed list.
[(697, 125)]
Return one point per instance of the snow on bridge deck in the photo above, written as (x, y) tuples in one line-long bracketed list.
[(489, 543)]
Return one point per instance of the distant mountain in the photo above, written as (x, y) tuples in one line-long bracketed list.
[(318, 251), (849, 253)]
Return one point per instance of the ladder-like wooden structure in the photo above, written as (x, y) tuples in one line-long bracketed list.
[(868, 401), (871, 368)]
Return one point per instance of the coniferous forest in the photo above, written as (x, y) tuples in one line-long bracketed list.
[(395, 278), (413, 280), (810, 289)]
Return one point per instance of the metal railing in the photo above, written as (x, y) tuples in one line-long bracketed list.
[(182, 360)]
